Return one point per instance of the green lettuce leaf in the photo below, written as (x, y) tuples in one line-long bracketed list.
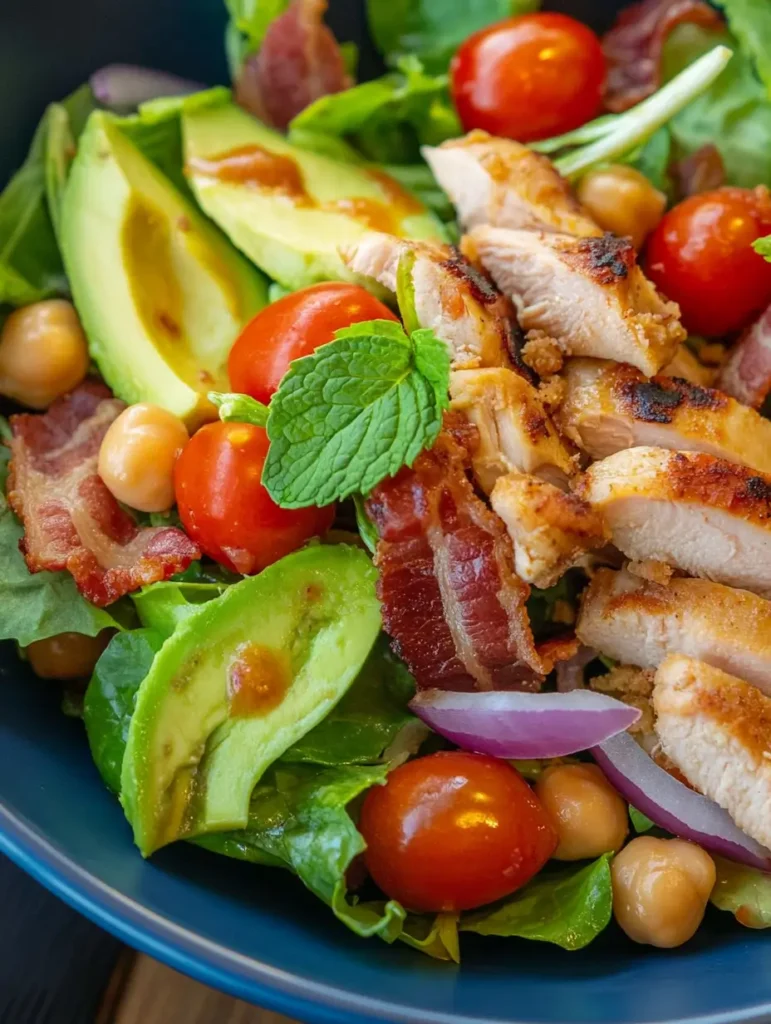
[(434, 29), (640, 822), (387, 119), (39, 605), (299, 819), (734, 113), (250, 20), (354, 412), (744, 892), (371, 718), (750, 22), (569, 908), (162, 606), (30, 263), (110, 697), (65, 122)]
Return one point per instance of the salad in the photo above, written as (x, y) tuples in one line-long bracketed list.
[(386, 470)]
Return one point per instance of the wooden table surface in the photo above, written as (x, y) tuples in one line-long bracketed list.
[(151, 993)]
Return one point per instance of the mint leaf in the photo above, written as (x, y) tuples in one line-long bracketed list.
[(354, 412), (236, 408)]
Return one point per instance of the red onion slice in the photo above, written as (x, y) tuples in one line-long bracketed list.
[(521, 726), (673, 806), (122, 87)]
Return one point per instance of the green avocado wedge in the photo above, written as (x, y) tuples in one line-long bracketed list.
[(161, 293), (289, 209), (237, 684)]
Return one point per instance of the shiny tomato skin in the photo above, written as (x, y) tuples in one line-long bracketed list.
[(293, 327), (701, 256), (224, 506), (453, 831), (529, 77)]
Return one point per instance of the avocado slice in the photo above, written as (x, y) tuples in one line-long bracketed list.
[(161, 293), (290, 209), (237, 684)]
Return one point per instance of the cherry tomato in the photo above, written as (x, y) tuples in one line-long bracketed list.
[(224, 507), (453, 831), (701, 256), (293, 327), (529, 77)]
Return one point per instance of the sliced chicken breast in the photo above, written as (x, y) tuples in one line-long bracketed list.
[(452, 298), (588, 294), (612, 406), (686, 366), (717, 730), (695, 512), (640, 623), (551, 531), (515, 431), (501, 182)]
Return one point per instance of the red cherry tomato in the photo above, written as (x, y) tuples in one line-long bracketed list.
[(293, 327), (529, 77), (453, 831), (701, 255), (224, 507)]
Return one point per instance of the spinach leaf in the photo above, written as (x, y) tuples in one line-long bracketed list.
[(434, 29), (734, 113), (30, 263), (743, 891), (370, 718), (110, 697), (387, 119), (39, 605), (569, 908)]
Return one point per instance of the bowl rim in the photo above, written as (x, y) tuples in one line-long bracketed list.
[(219, 967)]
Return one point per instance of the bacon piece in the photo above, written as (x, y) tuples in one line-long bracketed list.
[(746, 374), (633, 46), (299, 61), (454, 607), (702, 171), (71, 521)]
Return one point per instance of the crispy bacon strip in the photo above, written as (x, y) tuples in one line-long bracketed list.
[(71, 521), (746, 375), (702, 171), (452, 603), (299, 61), (633, 46)]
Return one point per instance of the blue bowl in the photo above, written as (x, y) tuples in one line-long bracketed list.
[(256, 932)]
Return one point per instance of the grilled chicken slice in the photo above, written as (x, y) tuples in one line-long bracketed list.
[(686, 366), (639, 623), (501, 182), (588, 294), (612, 406), (551, 531), (697, 513), (717, 730), (451, 297), (515, 431)]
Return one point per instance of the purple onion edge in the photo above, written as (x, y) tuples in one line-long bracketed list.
[(669, 822)]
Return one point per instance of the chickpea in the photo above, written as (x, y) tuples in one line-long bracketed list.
[(43, 353), (137, 457), (67, 655), (623, 201), (660, 890), (589, 815)]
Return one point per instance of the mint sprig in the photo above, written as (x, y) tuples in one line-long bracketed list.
[(235, 408), (354, 412)]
